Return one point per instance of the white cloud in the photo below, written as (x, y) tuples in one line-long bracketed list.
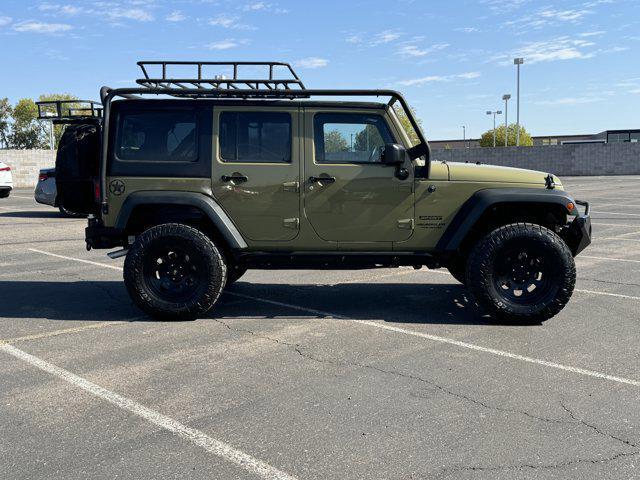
[(387, 36), (354, 38), (569, 101), (226, 44), (564, 15), (70, 10), (592, 34), (410, 50), (439, 78), (41, 27), (468, 29), (128, 14), (4, 21), (229, 21), (312, 62), (175, 16), (252, 7), (556, 49)]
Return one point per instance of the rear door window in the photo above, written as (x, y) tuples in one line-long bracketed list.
[(255, 137)]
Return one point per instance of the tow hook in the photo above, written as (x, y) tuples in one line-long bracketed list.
[(118, 253)]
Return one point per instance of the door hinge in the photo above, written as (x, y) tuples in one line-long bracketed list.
[(291, 186), (406, 224), (291, 223)]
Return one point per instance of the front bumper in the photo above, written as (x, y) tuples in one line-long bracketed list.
[(578, 233)]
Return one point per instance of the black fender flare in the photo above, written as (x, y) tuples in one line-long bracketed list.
[(198, 200), (480, 201)]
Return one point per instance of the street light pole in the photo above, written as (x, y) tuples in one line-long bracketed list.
[(506, 98), (517, 62), (497, 112), (464, 136)]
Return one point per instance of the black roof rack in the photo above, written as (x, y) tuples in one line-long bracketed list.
[(66, 111), (209, 78)]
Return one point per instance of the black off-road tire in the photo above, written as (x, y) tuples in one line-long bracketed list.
[(174, 272), (458, 269), (234, 273), (4, 193), (503, 258)]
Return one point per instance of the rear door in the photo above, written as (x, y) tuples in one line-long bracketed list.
[(349, 196), (256, 172)]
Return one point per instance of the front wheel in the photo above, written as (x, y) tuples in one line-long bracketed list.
[(521, 273), (174, 272)]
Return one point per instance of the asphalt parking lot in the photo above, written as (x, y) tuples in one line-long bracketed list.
[(387, 374)]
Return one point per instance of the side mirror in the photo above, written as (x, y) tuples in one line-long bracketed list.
[(393, 154)]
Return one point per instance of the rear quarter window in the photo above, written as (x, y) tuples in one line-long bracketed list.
[(163, 138)]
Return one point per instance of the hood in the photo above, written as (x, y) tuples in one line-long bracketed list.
[(471, 172)]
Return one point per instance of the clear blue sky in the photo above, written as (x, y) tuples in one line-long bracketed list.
[(452, 59)]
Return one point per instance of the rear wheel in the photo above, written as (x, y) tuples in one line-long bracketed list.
[(521, 273), (174, 272)]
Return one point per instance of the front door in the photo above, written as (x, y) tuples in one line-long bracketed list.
[(256, 174), (349, 196)]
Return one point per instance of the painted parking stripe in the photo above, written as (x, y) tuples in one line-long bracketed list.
[(196, 437), (599, 224), (450, 341), (66, 331), (617, 213), (609, 259), (89, 262), (436, 338)]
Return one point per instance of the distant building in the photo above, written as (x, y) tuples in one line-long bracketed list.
[(608, 136)]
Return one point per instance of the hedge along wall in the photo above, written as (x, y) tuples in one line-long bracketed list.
[(577, 159)]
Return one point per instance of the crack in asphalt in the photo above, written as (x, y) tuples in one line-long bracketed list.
[(611, 282), (575, 420), (308, 356)]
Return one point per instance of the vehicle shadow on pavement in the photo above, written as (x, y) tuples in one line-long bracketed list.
[(390, 302), (109, 301), (33, 214)]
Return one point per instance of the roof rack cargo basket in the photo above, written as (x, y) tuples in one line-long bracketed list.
[(68, 111), (212, 77)]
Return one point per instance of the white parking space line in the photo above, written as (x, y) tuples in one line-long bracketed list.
[(196, 437), (620, 238), (609, 259), (21, 196), (435, 338), (599, 224), (65, 331), (451, 341), (617, 205), (97, 264), (617, 213)]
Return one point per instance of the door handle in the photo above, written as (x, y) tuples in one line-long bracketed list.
[(322, 179), (234, 178)]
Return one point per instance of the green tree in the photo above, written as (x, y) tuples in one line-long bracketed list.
[(367, 139), (406, 123), (27, 132), (525, 139), (6, 113), (59, 129), (334, 142)]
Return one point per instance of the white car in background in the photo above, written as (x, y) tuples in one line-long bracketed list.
[(6, 180)]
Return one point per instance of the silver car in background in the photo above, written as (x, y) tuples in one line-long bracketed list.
[(47, 194)]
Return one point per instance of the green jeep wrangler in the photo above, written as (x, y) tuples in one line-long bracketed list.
[(198, 179)]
